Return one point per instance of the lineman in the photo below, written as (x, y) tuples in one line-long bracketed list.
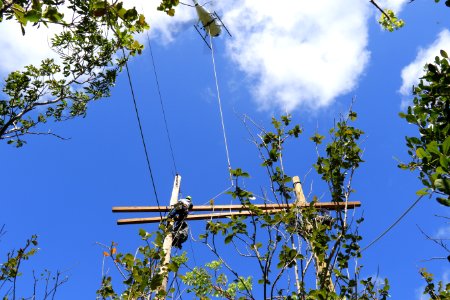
[(178, 213), (181, 209)]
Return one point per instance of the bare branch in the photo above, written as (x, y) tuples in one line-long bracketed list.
[(435, 240)]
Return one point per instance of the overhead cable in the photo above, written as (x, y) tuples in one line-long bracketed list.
[(393, 224), (162, 105), (141, 131)]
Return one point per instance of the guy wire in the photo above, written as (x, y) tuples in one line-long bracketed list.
[(220, 109)]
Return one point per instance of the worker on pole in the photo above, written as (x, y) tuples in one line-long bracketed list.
[(178, 214)]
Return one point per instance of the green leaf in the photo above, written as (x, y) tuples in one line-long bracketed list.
[(421, 153), (446, 146), (19, 13), (433, 148), (156, 281), (432, 68), (131, 15), (443, 160), (443, 201), (121, 12), (440, 170), (52, 14), (443, 53), (228, 239), (141, 20), (33, 16), (317, 138), (422, 192), (443, 185)]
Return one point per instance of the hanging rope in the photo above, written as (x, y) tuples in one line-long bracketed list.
[(142, 134), (162, 105), (220, 109)]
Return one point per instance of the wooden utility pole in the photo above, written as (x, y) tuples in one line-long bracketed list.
[(167, 245), (300, 197), (321, 265), (299, 201)]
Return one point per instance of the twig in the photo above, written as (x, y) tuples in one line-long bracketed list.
[(381, 10), (437, 241)]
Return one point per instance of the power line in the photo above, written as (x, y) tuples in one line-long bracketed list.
[(162, 105), (220, 109), (393, 224), (141, 131)]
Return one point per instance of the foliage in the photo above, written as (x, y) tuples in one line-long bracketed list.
[(87, 46), (10, 269), (343, 156), (142, 272), (439, 292), (202, 285), (389, 21), (168, 6), (430, 112), (10, 273)]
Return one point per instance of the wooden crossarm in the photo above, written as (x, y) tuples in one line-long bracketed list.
[(189, 217), (193, 217), (218, 208)]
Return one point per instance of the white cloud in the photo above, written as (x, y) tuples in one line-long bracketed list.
[(164, 27), (18, 51), (443, 233), (302, 54), (412, 72), (395, 5)]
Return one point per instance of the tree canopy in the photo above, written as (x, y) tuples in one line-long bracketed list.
[(93, 44)]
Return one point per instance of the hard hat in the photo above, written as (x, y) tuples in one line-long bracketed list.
[(188, 198)]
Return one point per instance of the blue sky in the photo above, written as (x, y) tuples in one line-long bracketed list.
[(308, 59)]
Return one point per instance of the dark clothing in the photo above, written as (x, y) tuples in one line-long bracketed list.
[(180, 229), (178, 212), (180, 234)]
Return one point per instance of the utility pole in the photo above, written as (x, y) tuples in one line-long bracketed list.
[(321, 265), (167, 245), (299, 201)]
